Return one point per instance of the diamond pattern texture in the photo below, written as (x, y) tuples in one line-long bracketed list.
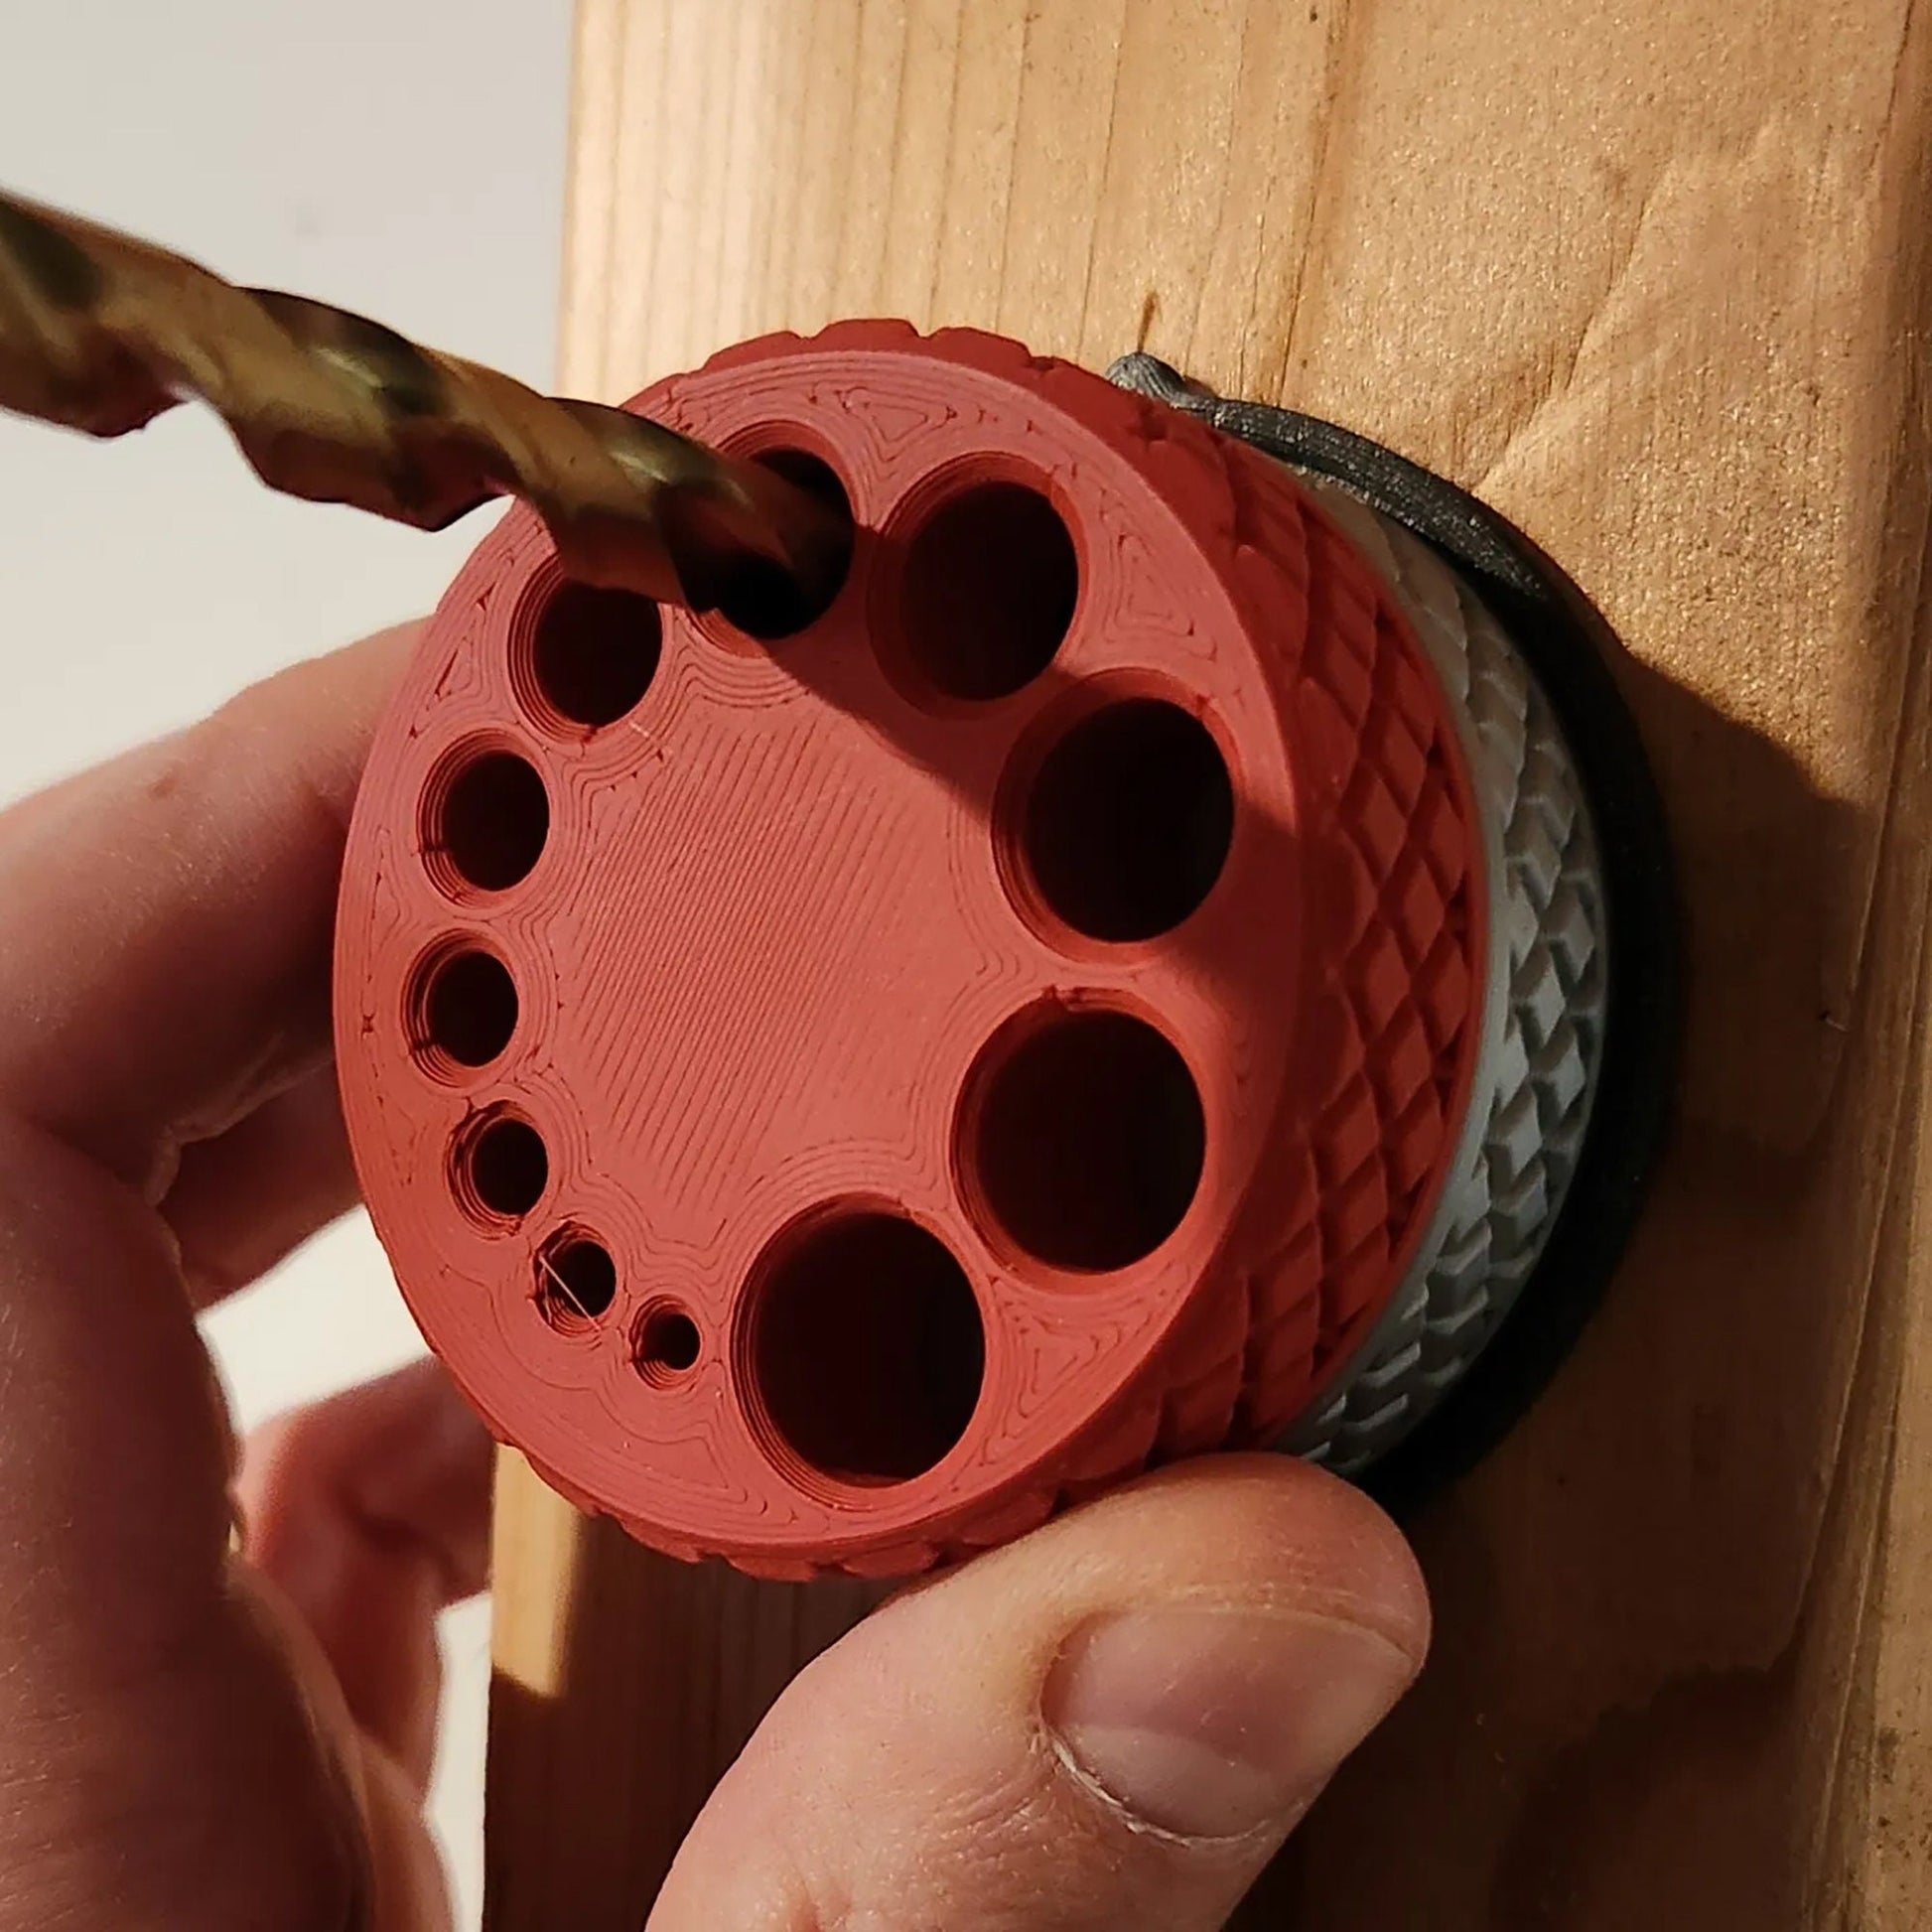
[(1539, 1065)]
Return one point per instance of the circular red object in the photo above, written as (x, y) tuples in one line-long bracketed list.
[(832, 1095)]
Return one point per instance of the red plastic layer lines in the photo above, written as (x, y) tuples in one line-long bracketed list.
[(836, 1085)]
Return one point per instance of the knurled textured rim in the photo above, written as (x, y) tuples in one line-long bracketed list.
[(1570, 650), (1543, 1026)]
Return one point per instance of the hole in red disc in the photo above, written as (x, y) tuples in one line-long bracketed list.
[(489, 820), (464, 1007), (667, 1343), (594, 653), (1086, 1133), (577, 1281), (991, 580), (865, 1346), (1128, 821), (764, 601), (500, 1166)]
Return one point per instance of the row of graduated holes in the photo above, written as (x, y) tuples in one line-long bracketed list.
[(1105, 1089), (989, 589), (500, 1170), (1125, 826)]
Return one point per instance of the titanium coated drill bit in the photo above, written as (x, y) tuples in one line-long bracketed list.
[(102, 332)]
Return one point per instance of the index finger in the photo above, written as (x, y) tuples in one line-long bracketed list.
[(167, 917)]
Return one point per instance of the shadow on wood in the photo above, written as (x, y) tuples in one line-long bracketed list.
[(1691, 1513)]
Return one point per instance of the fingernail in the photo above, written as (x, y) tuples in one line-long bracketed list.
[(1213, 1723)]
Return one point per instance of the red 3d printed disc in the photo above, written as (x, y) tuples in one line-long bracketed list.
[(836, 1085)]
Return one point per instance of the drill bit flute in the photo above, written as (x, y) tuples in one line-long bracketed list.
[(102, 332)]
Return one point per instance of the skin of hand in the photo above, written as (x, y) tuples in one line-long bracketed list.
[(1111, 1724)]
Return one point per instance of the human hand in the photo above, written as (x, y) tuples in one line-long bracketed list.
[(1108, 1725)]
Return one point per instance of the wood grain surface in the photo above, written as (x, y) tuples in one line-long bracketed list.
[(1651, 277)]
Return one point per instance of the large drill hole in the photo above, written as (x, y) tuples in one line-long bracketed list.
[(577, 1281), (502, 1166), (991, 581), (594, 652), (1087, 1138), (1129, 819), (867, 1347), (490, 820), (766, 601), (466, 1007)]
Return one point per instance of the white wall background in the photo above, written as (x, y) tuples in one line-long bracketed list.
[(400, 157)]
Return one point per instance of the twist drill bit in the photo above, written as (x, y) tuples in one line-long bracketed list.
[(102, 332)]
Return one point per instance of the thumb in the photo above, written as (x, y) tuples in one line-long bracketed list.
[(1111, 1724)]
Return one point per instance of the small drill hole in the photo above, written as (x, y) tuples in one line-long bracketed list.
[(502, 1166), (667, 1343), (1088, 1137), (467, 1006), (991, 581), (594, 652), (765, 601), (867, 1347), (490, 821), (577, 1281), (1128, 820)]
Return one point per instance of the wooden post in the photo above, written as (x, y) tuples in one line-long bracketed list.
[(1651, 277)]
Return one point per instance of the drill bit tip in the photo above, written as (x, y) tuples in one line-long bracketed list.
[(101, 333)]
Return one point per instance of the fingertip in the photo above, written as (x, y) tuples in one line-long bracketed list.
[(370, 1514), (1257, 1528), (1125, 1710), (196, 879), (400, 1464)]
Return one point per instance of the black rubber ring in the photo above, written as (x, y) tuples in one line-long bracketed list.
[(1570, 646)]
